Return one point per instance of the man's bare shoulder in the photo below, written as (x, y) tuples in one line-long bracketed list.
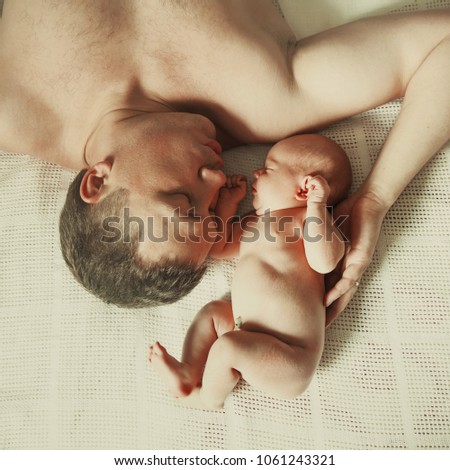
[(76, 19)]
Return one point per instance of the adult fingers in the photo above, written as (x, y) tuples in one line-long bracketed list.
[(338, 306), (337, 299), (350, 278)]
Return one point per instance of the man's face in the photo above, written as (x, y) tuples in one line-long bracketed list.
[(174, 176)]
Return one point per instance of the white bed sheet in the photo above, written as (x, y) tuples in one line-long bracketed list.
[(73, 371)]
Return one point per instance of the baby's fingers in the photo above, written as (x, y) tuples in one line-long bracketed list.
[(238, 180), (312, 182), (229, 183)]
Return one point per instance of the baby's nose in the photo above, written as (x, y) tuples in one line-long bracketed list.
[(256, 173)]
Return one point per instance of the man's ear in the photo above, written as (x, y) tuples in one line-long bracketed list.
[(93, 185)]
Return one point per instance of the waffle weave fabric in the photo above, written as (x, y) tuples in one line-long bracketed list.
[(74, 372)]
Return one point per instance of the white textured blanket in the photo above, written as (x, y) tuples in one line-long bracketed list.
[(74, 372)]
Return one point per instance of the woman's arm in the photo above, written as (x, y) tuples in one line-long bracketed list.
[(362, 65), (421, 129)]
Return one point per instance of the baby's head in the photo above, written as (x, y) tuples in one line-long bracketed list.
[(280, 184)]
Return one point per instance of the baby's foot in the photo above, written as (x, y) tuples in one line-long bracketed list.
[(178, 377), (196, 400)]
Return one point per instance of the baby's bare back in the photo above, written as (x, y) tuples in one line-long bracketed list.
[(275, 291)]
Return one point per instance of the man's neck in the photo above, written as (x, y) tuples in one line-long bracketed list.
[(103, 139), (57, 127), (30, 126)]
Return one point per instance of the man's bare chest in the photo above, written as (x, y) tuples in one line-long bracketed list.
[(224, 59)]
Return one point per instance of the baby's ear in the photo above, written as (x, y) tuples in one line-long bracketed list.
[(301, 193)]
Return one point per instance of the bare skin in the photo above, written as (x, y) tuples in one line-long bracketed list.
[(278, 286), (77, 75), (134, 68)]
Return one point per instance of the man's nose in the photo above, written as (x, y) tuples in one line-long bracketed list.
[(212, 176)]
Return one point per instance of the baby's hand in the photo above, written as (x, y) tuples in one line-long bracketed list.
[(318, 189), (234, 190)]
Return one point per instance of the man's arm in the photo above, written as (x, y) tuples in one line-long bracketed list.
[(362, 65)]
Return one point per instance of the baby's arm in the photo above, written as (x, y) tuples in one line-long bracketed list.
[(323, 243), (229, 230)]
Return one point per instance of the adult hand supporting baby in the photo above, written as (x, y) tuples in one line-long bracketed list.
[(363, 227)]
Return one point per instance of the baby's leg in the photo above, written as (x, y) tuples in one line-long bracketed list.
[(212, 321), (265, 362)]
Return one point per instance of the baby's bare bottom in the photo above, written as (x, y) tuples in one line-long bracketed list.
[(215, 356)]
